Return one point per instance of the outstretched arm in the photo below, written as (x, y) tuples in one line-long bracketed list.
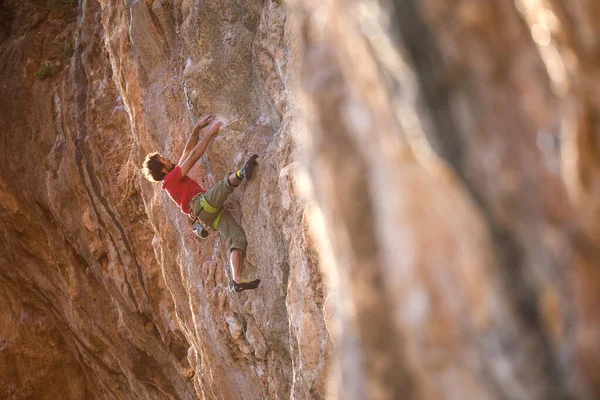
[(199, 149), (193, 139)]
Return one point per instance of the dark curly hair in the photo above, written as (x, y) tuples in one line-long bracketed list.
[(152, 167)]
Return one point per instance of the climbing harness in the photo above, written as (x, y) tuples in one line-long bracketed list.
[(198, 226), (199, 229), (212, 210)]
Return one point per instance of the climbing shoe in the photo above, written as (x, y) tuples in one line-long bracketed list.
[(246, 171), (245, 284)]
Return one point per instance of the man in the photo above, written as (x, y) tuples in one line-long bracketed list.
[(205, 205)]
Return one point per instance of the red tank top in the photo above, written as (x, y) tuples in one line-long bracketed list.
[(181, 189)]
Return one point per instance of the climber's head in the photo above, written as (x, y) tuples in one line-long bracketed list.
[(155, 167)]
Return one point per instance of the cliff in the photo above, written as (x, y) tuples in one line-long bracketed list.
[(107, 293)]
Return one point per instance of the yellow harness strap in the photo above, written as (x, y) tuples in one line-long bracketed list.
[(212, 210), (207, 206), (216, 223)]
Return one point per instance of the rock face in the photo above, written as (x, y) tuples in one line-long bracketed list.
[(107, 293), (424, 217)]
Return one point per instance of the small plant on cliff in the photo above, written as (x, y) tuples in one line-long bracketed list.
[(120, 159), (44, 72)]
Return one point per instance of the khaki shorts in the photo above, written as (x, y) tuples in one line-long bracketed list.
[(227, 225)]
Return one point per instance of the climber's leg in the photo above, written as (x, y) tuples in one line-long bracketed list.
[(234, 233), (216, 195), (233, 180), (236, 259)]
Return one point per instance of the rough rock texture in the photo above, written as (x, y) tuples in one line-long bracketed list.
[(436, 237), (106, 292)]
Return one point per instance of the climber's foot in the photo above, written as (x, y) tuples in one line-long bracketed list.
[(246, 171), (245, 284)]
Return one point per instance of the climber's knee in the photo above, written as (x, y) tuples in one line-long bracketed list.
[(238, 241)]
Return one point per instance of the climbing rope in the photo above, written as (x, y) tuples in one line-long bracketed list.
[(220, 242)]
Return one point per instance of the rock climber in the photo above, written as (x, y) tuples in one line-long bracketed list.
[(205, 205)]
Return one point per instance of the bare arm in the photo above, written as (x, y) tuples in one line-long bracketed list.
[(199, 149), (193, 139)]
